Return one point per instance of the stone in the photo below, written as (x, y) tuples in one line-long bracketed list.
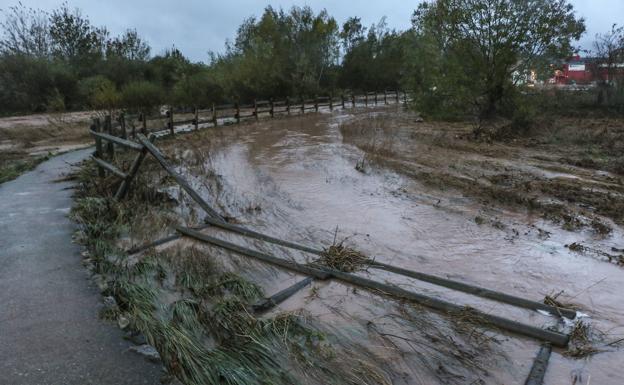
[(123, 322), (148, 351)]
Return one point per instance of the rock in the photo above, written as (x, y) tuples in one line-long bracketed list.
[(123, 322), (148, 351), (136, 338), (419, 120), (110, 303), (101, 283)]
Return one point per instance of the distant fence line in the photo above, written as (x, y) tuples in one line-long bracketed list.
[(128, 125)]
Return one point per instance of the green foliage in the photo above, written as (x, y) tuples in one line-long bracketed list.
[(474, 48), (99, 93), (142, 95)]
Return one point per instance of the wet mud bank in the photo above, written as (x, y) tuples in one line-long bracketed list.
[(415, 195)]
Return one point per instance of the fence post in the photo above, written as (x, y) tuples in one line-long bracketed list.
[(144, 123), (397, 96), (331, 102), (302, 105), (170, 122), (196, 118), (237, 114), (122, 125), (405, 98), (366, 99), (110, 146), (287, 105), (98, 145), (376, 97), (316, 103), (256, 109), (214, 115), (342, 101), (272, 106), (385, 97), (353, 100)]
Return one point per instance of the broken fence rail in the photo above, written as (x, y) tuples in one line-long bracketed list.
[(323, 273)]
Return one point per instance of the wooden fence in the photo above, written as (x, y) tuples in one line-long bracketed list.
[(128, 125)]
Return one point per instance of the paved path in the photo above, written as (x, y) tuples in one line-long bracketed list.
[(50, 332)]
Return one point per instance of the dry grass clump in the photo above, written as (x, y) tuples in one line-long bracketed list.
[(581, 345), (553, 300), (342, 258)]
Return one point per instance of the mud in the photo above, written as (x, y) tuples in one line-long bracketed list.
[(423, 197)]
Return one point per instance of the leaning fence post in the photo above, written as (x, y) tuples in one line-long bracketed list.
[(98, 145), (110, 146), (196, 122), (287, 105)]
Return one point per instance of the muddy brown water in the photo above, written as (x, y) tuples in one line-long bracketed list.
[(295, 178)]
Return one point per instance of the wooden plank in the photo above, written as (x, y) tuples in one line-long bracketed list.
[(274, 300), (181, 181), (538, 370), (112, 169), (134, 169), (110, 147), (444, 282), (322, 272), (122, 142), (98, 145)]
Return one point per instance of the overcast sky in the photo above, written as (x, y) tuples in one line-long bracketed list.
[(199, 26)]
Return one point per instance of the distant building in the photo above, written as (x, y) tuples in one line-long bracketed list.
[(577, 70)]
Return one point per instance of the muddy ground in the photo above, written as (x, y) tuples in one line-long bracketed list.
[(27, 140), (526, 217)]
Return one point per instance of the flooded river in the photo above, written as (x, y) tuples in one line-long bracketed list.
[(295, 178)]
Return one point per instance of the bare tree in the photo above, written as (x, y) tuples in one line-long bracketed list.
[(609, 48), (25, 32)]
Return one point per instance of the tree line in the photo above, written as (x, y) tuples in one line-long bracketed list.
[(461, 57)]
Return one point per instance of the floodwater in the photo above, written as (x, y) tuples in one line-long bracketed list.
[(295, 178)]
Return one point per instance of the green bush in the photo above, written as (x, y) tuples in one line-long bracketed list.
[(142, 95)]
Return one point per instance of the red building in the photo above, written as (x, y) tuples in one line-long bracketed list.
[(577, 70)]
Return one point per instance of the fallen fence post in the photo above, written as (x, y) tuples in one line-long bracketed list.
[(538, 370), (274, 300), (451, 284), (181, 181), (557, 339)]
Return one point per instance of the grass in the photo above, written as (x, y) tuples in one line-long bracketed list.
[(12, 169), (193, 311)]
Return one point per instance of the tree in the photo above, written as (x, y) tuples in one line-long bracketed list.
[(25, 32), (129, 46), (484, 42), (609, 49)]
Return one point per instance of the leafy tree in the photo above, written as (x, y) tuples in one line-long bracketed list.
[(475, 46), (142, 95), (129, 46)]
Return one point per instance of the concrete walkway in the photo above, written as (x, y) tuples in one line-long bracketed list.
[(50, 332)]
